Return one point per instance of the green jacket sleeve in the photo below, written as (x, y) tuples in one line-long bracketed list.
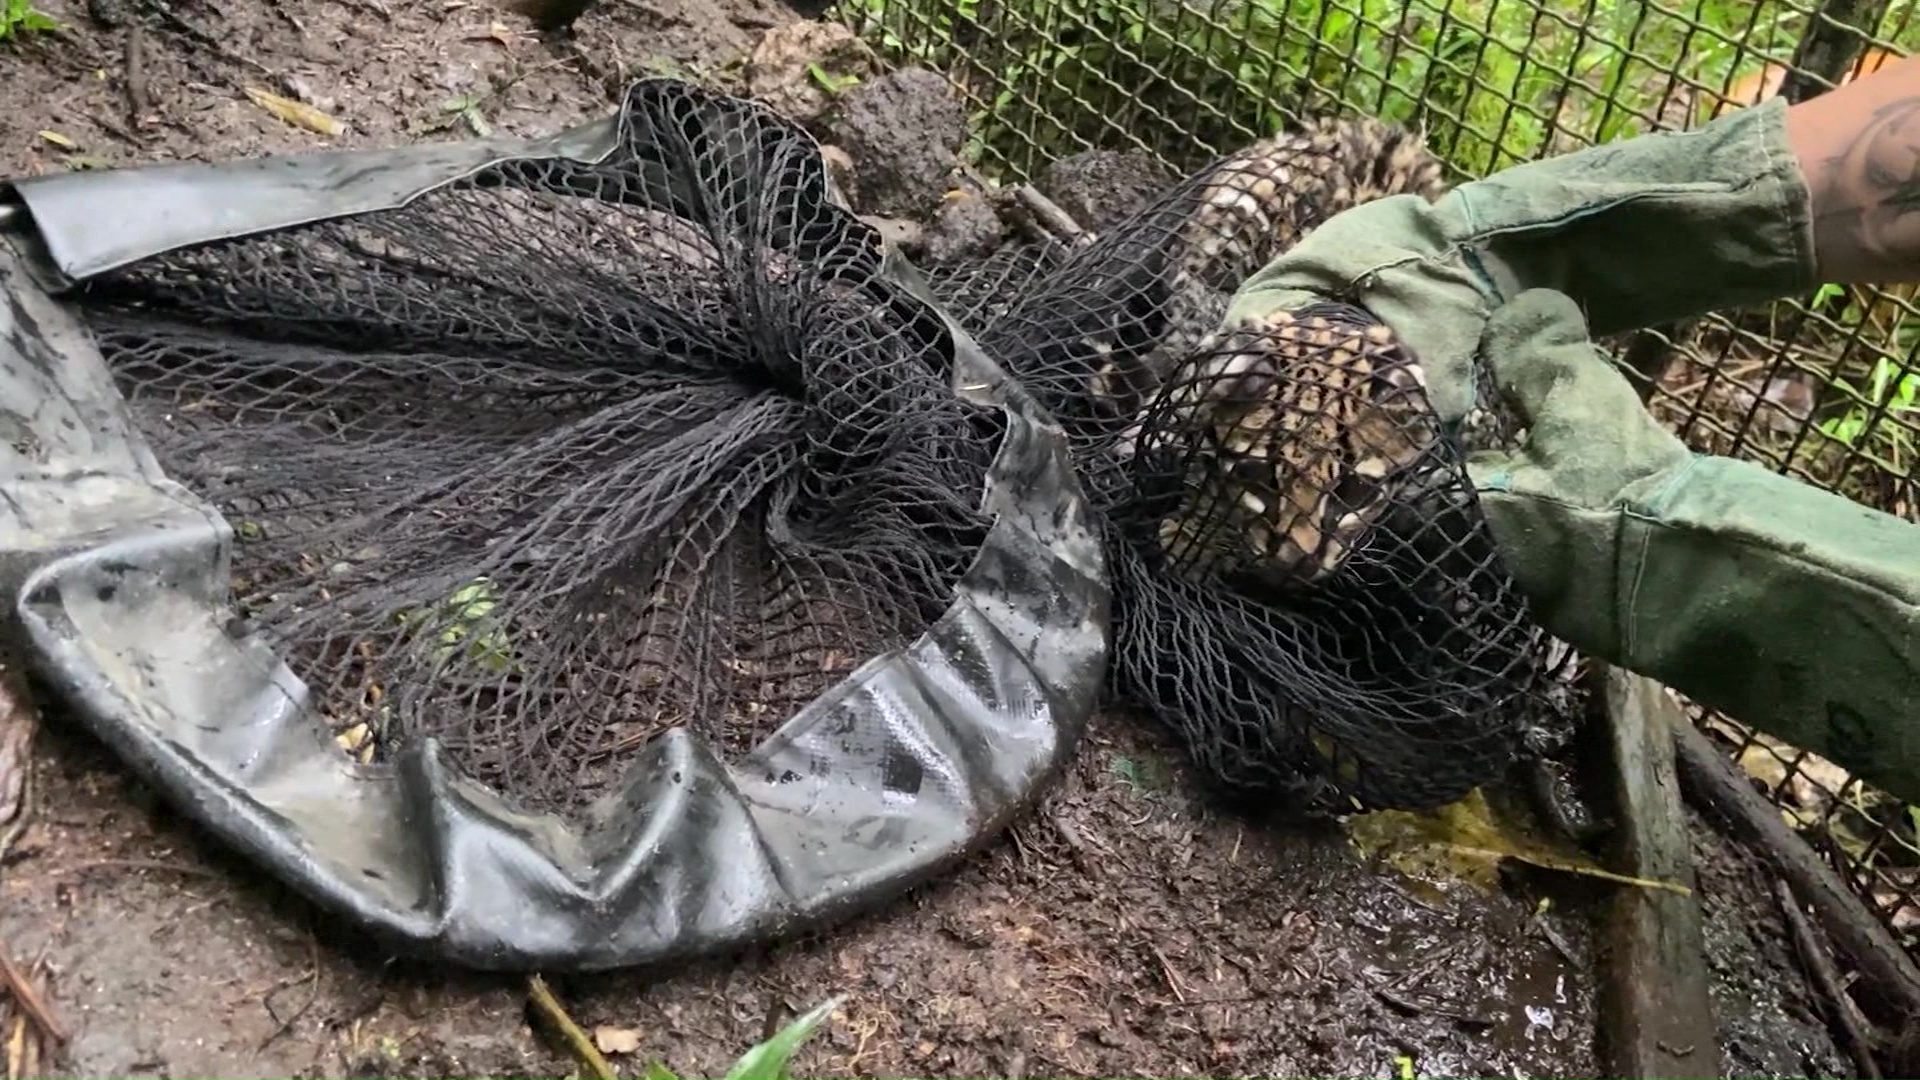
[(1639, 232), (1789, 608)]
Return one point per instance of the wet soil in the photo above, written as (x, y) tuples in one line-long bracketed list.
[(1123, 928)]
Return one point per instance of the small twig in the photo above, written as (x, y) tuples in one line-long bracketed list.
[(79, 869), (1048, 212), (1554, 939), (576, 1039), (313, 976), (1069, 835), (1710, 777), (186, 28), (1166, 970), (19, 720), (1819, 965), (30, 1001), (135, 75), (1046, 216), (1415, 1008), (292, 19), (770, 1023), (113, 127)]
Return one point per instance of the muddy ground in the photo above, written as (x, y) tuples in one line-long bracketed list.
[(1125, 929)]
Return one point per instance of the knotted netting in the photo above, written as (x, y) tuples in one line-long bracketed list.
[(562, 455), (1305, 590)]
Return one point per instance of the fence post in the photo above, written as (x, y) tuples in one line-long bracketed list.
[(1837, 32)]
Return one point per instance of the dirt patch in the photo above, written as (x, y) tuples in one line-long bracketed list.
[(1770, 1025), (1161, 939), (390, 71), (900, 130), (1124, 928), (1099, 187)]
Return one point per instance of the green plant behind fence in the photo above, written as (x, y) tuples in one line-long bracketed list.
[(1494, 82)]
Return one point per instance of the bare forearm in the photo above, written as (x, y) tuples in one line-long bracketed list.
[(1859, 147)]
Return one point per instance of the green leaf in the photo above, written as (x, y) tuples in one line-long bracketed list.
[(657, 1070), (768, 1060), (21, 17), (828, 81)]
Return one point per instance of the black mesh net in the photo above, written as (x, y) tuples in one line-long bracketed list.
[(1304, 587), (562, 455)]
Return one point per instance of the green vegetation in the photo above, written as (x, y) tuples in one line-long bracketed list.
[(1143, 775), (1494, 82), (767, 1060), (19, 18), (1892, 394), (467, 618)]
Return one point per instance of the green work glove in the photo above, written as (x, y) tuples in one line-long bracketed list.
[(1789, 608), (1639, 232)]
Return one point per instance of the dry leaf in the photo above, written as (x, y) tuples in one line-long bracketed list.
[(18, 1048), (1467, 840), (358, 743), (59, 140), (294, 112), (613, 1040)]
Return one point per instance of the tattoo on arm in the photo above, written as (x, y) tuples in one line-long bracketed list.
[(1867, 208)]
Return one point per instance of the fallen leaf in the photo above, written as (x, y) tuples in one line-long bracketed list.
[(614, 1040), (500, 33), (17, 1050), (1467, 841), (59, 140), (357, 741), (294, 112)]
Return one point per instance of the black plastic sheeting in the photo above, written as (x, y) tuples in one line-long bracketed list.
[(117, 578)]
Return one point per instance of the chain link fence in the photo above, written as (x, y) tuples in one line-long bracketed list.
[(1825, 387)]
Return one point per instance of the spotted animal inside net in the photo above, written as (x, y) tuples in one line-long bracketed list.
[(1304, 587), (564, 454)]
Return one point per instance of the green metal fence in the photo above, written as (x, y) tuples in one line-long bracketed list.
[(1826, 388)]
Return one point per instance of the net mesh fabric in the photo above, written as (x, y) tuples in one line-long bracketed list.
[(1305, 591), (562, 455)]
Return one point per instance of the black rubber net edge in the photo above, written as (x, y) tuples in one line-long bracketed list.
[(115, 577)]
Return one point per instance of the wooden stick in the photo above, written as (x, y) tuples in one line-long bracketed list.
[(1712, 780), (1846, 1018), (30, 1000), (1048, 212), (19, 720), (1655, 994), (576, 1039)]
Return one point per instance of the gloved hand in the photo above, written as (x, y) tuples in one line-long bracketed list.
[(1795, 610), (1639, 232), (1792, 609)]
